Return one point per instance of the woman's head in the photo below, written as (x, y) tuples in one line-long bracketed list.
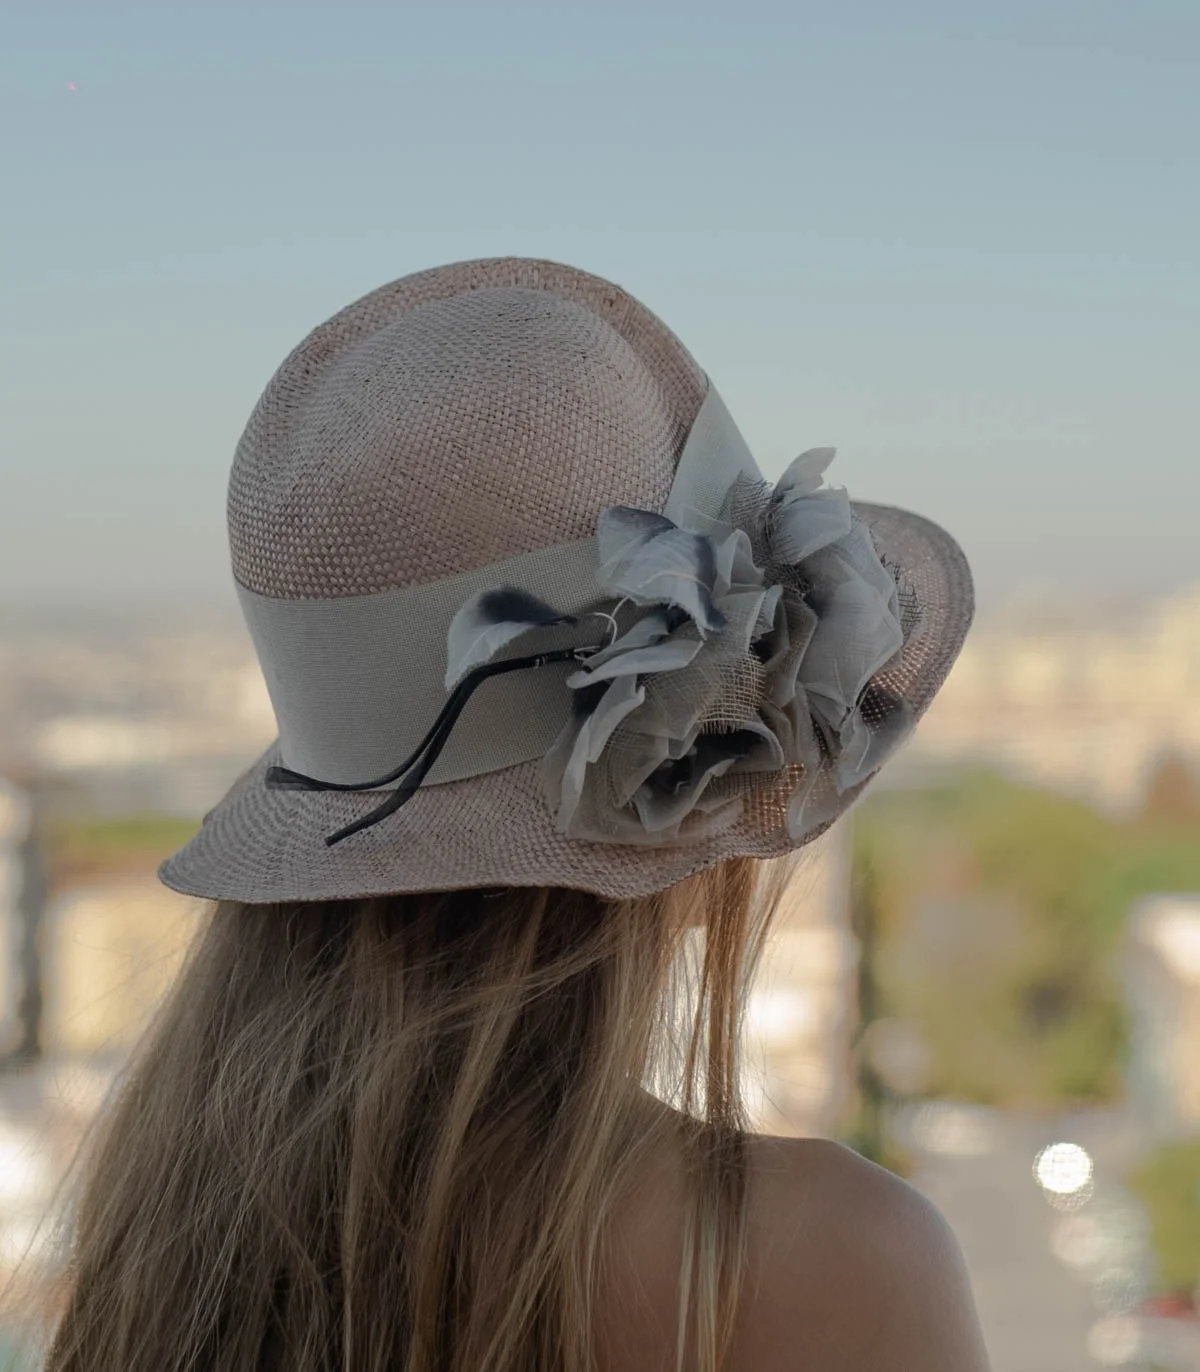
[(388, 1133), (552, 665), (511, 568)]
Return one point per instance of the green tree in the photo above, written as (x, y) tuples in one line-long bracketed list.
[(1168, 1184), (867, 1133), (1001, 912)]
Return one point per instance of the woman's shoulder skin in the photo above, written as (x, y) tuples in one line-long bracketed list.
[(850, 1269)]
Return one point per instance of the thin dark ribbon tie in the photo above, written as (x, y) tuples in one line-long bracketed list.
[(416, 766)]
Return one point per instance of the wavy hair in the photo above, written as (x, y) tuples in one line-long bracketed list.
[(390, 1133)]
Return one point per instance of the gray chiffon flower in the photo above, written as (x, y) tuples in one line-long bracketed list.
[(750, 647)]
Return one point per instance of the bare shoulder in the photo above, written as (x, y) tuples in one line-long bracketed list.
[(849, 1268)]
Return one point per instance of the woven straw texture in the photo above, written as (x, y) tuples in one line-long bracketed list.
[(443, 422), (451, 419)]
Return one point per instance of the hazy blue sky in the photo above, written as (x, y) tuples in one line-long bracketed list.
[(958, 241)]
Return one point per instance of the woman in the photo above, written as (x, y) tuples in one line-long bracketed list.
[(554, 670)]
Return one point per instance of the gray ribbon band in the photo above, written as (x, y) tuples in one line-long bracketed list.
[(355, 682)]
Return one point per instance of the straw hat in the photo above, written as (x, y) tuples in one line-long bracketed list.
[(529, 614)]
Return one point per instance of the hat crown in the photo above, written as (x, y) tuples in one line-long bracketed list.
[(452, 420)]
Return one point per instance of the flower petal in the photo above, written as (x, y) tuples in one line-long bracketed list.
[(735, 564), (785, 645), (802, 524), (653, 562), (855, 555), (667, 656), (641, 754), (804, 474), (488, 621), (858, 630), (764, 755), (743, 611), (622, 533), (856, 636), (769, 612), (669, 795), (865, 748), (649, 629), (792, 725), (581, 743)]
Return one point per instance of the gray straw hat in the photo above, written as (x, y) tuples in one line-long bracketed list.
[(530, 615)]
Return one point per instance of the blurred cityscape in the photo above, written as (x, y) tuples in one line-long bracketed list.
[(988, 980)]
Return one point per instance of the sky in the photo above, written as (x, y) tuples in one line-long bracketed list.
[(958, 242)]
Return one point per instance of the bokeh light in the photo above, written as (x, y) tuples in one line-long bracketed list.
[(1114, 1342), (1063, 1169)]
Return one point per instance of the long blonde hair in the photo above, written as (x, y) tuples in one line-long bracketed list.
[(387, 1134)]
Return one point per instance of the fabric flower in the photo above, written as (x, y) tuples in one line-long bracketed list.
[(756, 648)]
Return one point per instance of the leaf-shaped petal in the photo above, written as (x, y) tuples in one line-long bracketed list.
[(792, 725), (622, 532), (652, 561), (674, 790), (743, 611), (621, 698), (804, 474), (765, 755), (853, 556), (769, 611), (667, 656), (856, 635), (735, 564), (802, 524), (489, 621), (651, 628), (795, 623)]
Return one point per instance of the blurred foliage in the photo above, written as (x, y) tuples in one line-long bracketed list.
[(1173, 793), (867, 1131), (1001, 910), (82, 848), (1168, 1184), (883, 1149)]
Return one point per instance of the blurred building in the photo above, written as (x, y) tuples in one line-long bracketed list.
[(1162, 984), (109, 953), (801, 1015), (14, 819), (1088, 703), (135, 718)]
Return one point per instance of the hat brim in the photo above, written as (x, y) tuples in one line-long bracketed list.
[(264, 845)]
